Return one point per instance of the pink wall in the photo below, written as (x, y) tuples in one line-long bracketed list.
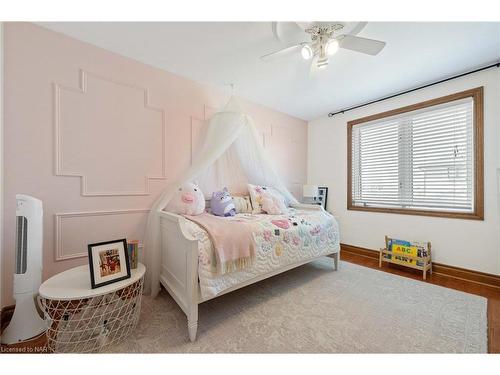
[(97, 137)]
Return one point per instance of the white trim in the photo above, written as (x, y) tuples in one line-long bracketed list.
[(58, 217), (82, 89)]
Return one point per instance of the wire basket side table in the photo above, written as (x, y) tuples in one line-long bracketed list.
[(84, 320)]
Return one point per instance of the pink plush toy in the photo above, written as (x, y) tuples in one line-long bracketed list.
[(188, 200), (272, 204)]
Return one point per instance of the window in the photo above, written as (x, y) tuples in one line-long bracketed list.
[(424, 159)]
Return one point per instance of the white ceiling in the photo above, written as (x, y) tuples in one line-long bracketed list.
[(219, 53)]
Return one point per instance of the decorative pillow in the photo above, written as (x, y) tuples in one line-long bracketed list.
[(266, 199), (222, 203), (255, 198), (273, 203), (188, 200), (243, 205)]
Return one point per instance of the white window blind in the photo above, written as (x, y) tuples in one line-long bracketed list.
[(421, 160)]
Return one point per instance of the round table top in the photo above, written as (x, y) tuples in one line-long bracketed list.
[(75, 284)]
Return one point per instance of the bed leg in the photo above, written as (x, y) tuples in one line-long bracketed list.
[(192, 329), (192, 291), (336, 261), (192, 321)]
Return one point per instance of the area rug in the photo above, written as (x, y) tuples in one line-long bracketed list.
[(312, 309)]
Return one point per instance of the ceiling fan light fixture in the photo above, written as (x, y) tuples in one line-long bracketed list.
[(332, 46), (322, 63), (307, 52)]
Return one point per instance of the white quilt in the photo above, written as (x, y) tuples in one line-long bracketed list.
[(281, 240)]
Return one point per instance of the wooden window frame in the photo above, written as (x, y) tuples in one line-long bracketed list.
[(477, 95)]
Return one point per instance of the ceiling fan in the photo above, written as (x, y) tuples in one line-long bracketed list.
[(325, 41)]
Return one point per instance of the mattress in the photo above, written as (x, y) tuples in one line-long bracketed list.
[(280, 240)]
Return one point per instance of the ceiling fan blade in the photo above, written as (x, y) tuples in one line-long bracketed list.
[(274, 28), (281, 52), (358, 28), (363, 45)]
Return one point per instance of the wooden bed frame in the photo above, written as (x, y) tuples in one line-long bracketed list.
[(179, 267)]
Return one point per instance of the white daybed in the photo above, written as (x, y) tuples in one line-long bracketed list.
[(232, 151), (183, 268)]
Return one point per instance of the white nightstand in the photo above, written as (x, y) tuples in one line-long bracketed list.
[(80, 319)]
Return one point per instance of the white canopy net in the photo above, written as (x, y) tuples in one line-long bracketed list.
[(232, 155)]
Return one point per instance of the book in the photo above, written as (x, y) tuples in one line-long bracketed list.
[(133, 253), (400, 248)]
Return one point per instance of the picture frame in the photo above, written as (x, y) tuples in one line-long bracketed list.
[(322, 198), (108, 262)]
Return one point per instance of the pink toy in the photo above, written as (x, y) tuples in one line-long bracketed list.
[(188, 200), (272, 204)]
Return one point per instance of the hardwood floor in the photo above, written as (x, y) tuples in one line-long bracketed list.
[(491, 293), (38, 344)]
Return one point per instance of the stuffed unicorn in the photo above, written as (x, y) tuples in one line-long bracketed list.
[(222, 203), (188, 200)]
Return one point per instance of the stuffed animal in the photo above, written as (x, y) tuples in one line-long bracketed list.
[(270, 197), (243, 205), (188, 200), (222, 203), (272, 204)]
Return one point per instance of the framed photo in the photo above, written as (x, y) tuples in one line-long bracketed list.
[(108, 262), (322, 196)]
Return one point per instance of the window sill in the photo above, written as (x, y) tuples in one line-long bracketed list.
[(402, 211)]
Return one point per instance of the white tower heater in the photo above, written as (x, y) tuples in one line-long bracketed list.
[(26, 321)]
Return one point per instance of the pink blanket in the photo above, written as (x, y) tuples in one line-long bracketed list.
[(232, 240)]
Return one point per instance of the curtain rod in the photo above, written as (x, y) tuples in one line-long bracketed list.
[(497, 64)]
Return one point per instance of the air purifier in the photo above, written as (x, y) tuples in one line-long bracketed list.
[(26, 322)]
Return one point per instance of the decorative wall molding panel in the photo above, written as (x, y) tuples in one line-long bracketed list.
[(107, 134), (198, 127), (73, 231), (279, 140)]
